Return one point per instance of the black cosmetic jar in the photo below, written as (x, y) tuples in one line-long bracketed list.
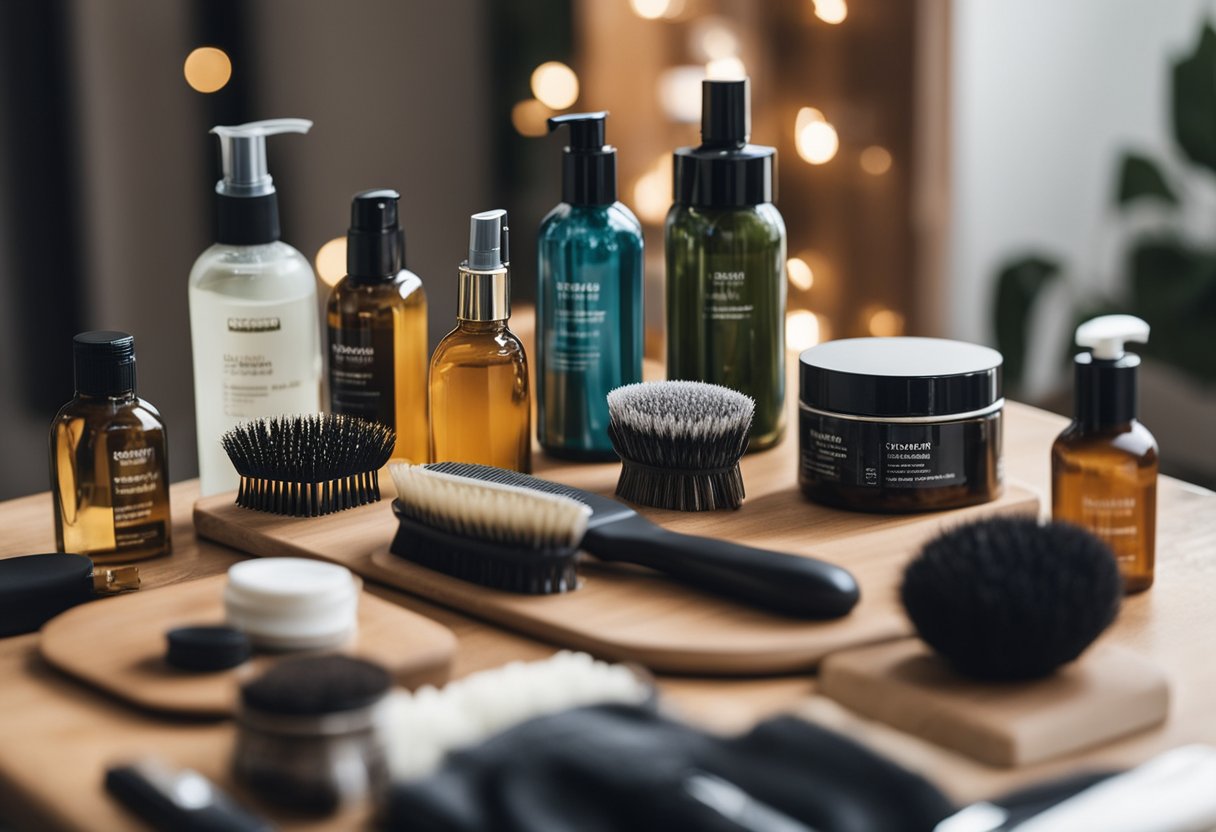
[(900, 424)]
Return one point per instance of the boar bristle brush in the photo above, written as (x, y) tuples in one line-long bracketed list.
[(500, 536), (306, 466), (680, 443)]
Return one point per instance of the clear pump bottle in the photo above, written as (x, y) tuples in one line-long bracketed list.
[(109, 459), (479, 402), (589, 334), (253, 307), (1104, 464), (377, 329)]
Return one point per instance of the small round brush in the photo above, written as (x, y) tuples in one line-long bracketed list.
[(305, 466), (500, 536), (1008, 599), (680, 443)]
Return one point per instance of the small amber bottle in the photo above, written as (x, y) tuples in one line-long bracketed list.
[(376, 319), (1104, 464), (109, 459), (480, 408)]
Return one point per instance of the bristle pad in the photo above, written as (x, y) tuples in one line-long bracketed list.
[(680, 443), (503, 514), (311, 499), (523, 570)]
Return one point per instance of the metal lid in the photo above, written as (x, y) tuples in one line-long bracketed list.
[(899, 377)]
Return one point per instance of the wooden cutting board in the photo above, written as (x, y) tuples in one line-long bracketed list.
[(1108, 693), (118, 645), (627, 614)]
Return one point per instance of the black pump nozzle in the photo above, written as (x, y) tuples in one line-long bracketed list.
[(375, 243), (726, 119), (588, 164)]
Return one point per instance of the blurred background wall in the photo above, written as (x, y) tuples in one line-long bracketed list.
[(923, 146)]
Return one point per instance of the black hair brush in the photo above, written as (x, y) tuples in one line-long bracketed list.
[(1008, 599), (494, 535), (680, 443), (306, 466)]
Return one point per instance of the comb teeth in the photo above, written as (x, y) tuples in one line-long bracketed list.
[(493, 534), (501, 476), (306, 466)]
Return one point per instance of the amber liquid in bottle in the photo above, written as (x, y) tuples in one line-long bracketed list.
[(480, 409), (1104, 478), (378, 358)]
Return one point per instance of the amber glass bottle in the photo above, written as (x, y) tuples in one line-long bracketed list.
[(109, 459), (376, 318), (479, 398), (1104, 464)]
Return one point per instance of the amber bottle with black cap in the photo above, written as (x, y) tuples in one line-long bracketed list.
[(376, 316), (109, 459), (1104, 464)]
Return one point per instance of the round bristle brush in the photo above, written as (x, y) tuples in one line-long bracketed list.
[(500, 536), (306, 466), (680, 443), (1008, 599)]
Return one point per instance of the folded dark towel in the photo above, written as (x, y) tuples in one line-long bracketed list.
[(629, 768)]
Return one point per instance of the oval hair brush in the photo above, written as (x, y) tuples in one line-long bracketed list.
[(306, 466), (680, 443), (1007, 599), (775, 582), (494, 535)]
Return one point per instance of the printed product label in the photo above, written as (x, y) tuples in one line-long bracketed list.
[(263, 369), (362, 375), (882, 455), (135, 486), (1116, 519), (578, 327), (725, 299)]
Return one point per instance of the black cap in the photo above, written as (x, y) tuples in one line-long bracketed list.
[(1105, 389), (588, 165), (725, 171), (247, 220), (317, 685), (207, 648), (375, 243), (105, 363), (36, 588)]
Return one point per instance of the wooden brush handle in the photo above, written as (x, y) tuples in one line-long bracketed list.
[(776, 582)]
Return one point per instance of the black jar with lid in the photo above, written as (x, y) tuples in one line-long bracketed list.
[(900, 424)]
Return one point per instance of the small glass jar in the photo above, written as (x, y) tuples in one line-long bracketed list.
[(900, 424)]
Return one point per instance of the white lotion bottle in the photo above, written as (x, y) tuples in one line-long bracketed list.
[(254, 323)]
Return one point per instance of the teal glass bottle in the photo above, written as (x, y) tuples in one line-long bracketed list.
[(589, 298), (725, 250)]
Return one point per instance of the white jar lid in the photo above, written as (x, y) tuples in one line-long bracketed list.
[(292, 603)]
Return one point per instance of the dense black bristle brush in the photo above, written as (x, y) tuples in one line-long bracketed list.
[(775, 582), (306, 466), (1007, 599), (680, 443)]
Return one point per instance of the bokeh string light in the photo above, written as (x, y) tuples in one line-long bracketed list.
[(207, 69)]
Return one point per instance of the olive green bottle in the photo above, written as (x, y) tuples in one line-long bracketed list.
[(725, 246)]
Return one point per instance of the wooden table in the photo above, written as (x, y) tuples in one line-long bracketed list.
[(57, 736)]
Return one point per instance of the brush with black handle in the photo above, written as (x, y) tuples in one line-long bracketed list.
[(779, 583)]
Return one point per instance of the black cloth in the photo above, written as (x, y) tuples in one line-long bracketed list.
[(629, 768)]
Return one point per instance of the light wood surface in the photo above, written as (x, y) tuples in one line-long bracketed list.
[(118, 645), (57, 735), (629, 614), (1108, 693)]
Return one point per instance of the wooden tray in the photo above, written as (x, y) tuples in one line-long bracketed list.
[(1108, 693), (118, 644), (622, 613)]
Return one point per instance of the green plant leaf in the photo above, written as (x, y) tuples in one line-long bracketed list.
[(1173, 287), (1018, 284), (1194, 101), (1139, 177)]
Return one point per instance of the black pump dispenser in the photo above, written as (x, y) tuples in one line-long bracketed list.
[(588, 164), (375, 243), (725, 171), (247, 206), (1106, 376)]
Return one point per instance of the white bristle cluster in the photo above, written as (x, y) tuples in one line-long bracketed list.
[(690, 409), (517, 517), (428, 723)]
